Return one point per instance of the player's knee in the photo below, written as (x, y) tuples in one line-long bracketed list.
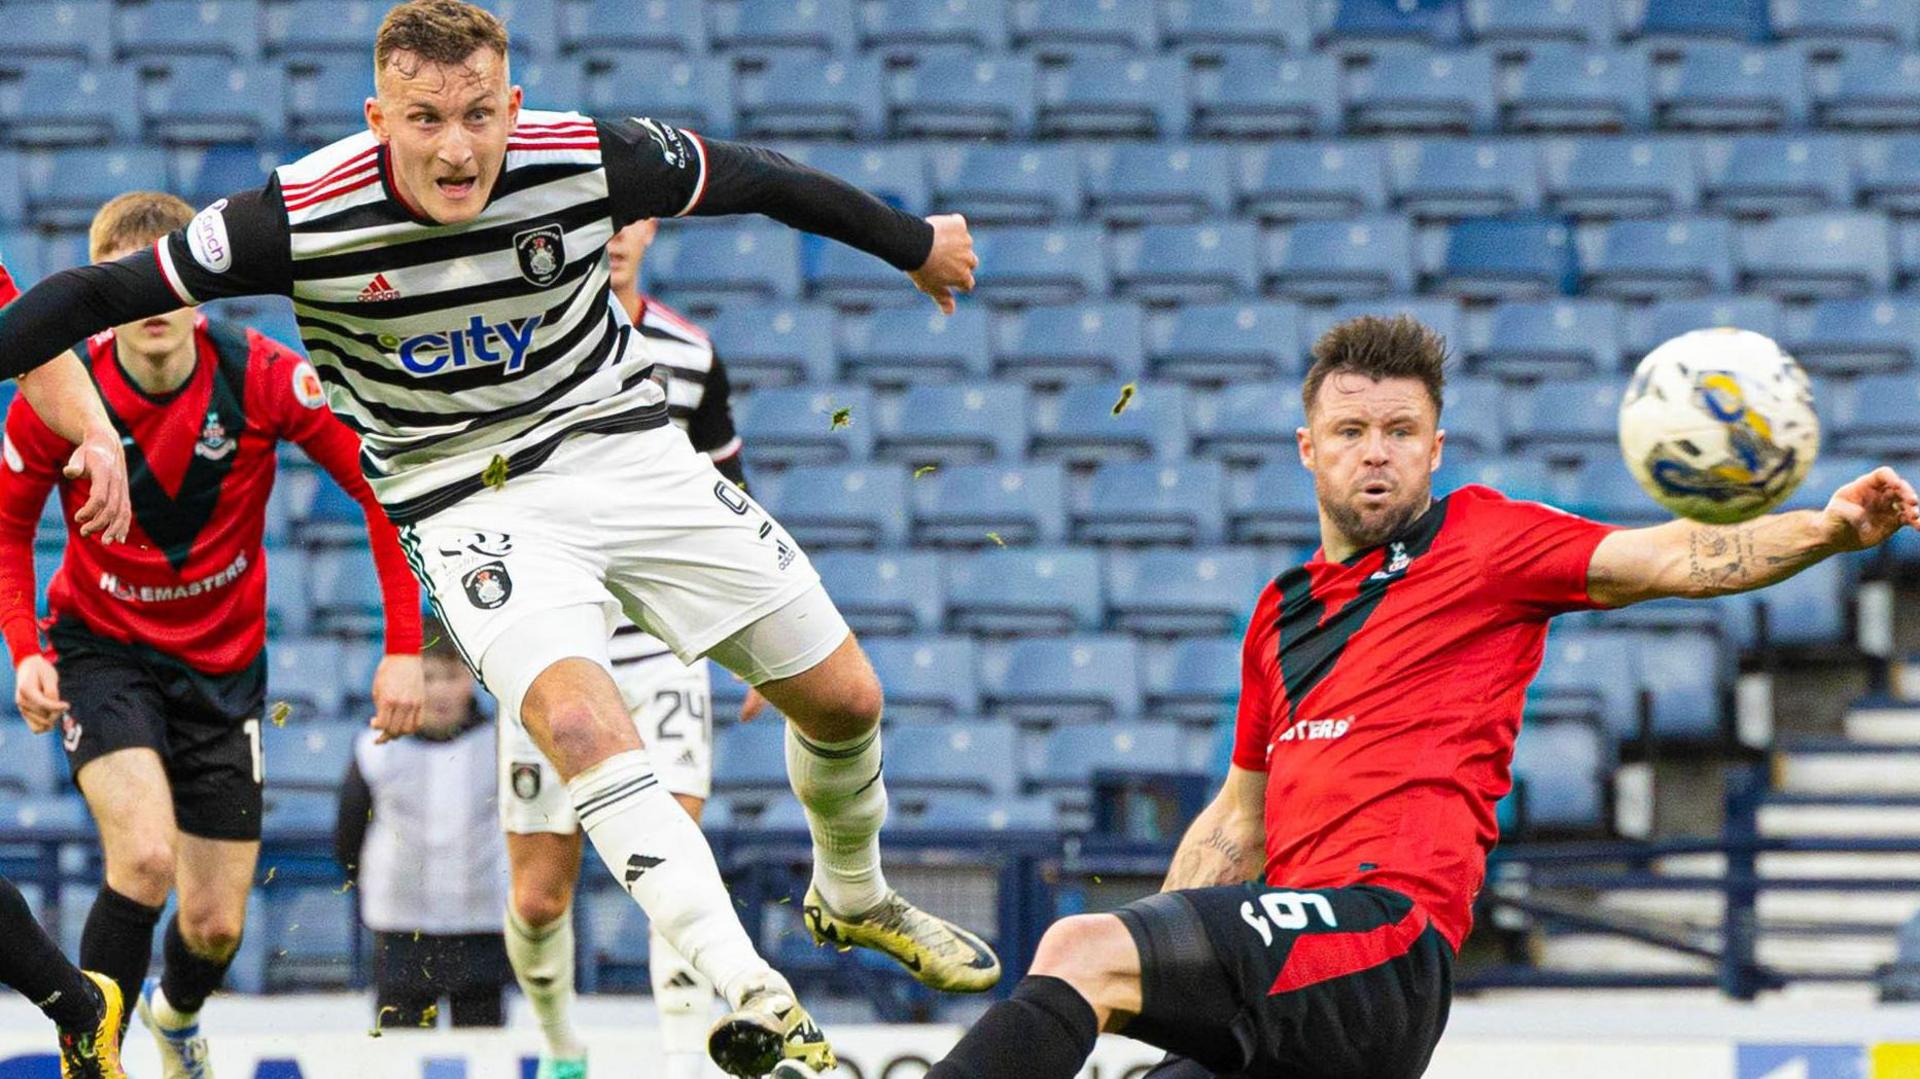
[(1080, 950), (212, 934), (540, 903)]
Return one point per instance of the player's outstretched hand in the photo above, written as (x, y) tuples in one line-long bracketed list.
[(36, 692), (399, 696), (1868, 511), (108, 513), (950, 265)]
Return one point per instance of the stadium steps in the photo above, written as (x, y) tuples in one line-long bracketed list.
[(1844, 767), (1871, 816), (1889, 723), (1822, 954), (1884, 911)]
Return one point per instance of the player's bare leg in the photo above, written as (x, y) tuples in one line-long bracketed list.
[(575, 715), (833, 763), (544, 867), (212, 878)]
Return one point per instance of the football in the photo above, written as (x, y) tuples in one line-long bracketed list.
[(1718, 425)]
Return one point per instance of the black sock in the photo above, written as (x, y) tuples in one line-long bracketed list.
[(188, 979), (1045, 1030), (118, 941), (33, 964)]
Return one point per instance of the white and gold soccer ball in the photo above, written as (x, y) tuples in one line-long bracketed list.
[(1718, 425)]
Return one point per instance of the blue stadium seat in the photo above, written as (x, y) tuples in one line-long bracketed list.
[(1070, 343), (1077, 25), (690, 262), (1136, 503), (346, 593), (1007, 185), (900, 345), (909, 26), (63, 250), (1809, 608), (1668, 319), (27, 767), (750, 757), (955, 423), (1073, 757), (1892, 22), (64, 188), (1604, 490), (613, 939), (1549, 337), (1422, 92), (1225, 342), (981, 505), (1564, 767), (1197, 680), (288, 613), (1024, 591), (1289, 180), (1255, 93), (678, 25), (1205, 592), (789, 425), (1103, 96), (1203, 27), (326, 94), (1080, 425), (958, 95), (1568, 416), (1274, 505), (1660, 258), (1440, 314), (683, 89), (962, 811), (1173, 264), (1333, 260), (556, 83), (305, 673), (797, 95), (1440, 22), (333, 518), (1608, 176), (926, 679), (1044, 265), (1888, 173), (305, 27), (1567, 88), (1062, 680), (1684, 672), (838, 505), (1465, 178), (66, 103), (68, 30), (203, 174), (1817, 255), (1526, 478), (896, 174), (1471, 416), (1589, 673), (308, 754), (19, 249), (1721, 87), (822, 26), (1856, 336), (1531, 22), (1130, 183), (953, 757), (888, 593), (1248, 422), (166, 29), (1777, 174), (1872, 89), (314, 926), (1732, 20), (849, 278), (775, 344), (1498, 258), (534, 26), (1875, 415)]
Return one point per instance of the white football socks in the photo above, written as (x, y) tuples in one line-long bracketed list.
[(846, 802), (684, 998), (543, 964), (657, 853)]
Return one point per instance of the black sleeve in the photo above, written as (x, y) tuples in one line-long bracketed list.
[(236, 247), (356, 812), (657, 170), (711, 429)]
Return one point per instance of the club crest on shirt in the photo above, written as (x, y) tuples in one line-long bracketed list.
[(542, 254), (488, 586), (70, 732), (214, 443), (1397, 561), (526, 782)]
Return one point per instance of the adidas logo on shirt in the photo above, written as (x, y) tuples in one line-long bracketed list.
[(378, 289)]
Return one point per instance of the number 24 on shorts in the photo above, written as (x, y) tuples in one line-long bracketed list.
[(1285, 910)]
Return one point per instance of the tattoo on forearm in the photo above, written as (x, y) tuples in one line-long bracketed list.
[(1207, 860), (1733, 558)]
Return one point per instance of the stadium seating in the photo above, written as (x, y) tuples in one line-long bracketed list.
[(678, 25), (886, 593), (63, 31), (1042, 264), (1721, 87), (1253, 94), (1606, 176), (1007, 185), (954, 424), (998, 504), (903, 27), (662, 83), (1047, 590), (1568, 88), (959, 95), (1495, 258), (1530, 22), (1465, 178), (1131, 183), (900, 345), (1197, 681), (1777, 174), (66, 103), (726, 261), (926, 679), (1290, 180), (1087, 424), (1339, 259), (822, 26), (1411, 91), (1651, 259), (1873, 89), (1854, 336), (1139, 503), (1185, 592), (1102, 96), (326, 95), (811, 424), (793, 94), (1202, 27), (1069, 343), (953, 757), (1549, 337), (1050, 681), (1253, 423), (64, 188), (838, 505), (1816, 255), (775, 344), (1234, 342)]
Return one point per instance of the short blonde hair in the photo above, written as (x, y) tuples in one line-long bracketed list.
[(437, 32), (135, 219)]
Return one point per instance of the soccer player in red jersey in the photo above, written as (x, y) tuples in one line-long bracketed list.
[(156, 673), (1382, 685)]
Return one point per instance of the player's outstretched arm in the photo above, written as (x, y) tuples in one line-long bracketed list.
[(62, 394), (70, 306), (1227, 842), (1698, 561)]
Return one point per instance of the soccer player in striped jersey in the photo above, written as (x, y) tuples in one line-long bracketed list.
[(447, 269), (672, 706)]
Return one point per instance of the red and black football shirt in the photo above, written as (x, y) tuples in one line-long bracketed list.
[(1382, 695)]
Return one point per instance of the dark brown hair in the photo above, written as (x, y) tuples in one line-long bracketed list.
[(135, 219), (1379, 348), (437, 32)]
